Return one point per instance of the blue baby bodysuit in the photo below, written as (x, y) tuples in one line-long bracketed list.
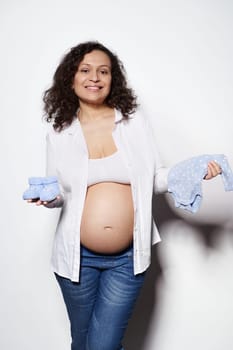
[(184, 180)]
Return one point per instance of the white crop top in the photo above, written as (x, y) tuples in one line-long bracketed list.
[(107, 169)]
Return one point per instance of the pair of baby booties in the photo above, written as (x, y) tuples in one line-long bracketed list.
[(45, 189)]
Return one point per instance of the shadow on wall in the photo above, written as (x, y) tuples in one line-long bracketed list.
[(148, 303)]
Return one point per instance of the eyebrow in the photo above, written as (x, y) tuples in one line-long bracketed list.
[(102, 65)]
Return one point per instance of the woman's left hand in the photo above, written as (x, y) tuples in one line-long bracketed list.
[(213, 170)]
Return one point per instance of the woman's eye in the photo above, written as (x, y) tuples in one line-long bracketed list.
[(104, 72), (84, 70)]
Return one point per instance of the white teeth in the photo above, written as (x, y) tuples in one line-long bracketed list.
[(93, 88)]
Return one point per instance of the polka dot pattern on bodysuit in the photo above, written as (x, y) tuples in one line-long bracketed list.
[(185, 178)]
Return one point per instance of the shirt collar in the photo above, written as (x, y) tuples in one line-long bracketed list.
[(118, 116)]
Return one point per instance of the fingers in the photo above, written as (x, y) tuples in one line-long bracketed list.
[(33, 200), (44, 203), (213, 170), (48, 202), (38, 202)]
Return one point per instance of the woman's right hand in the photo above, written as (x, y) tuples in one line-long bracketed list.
[(38, 202)]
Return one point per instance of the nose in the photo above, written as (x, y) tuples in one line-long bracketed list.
[(94, 76)]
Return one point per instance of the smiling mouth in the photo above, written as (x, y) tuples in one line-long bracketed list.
[(93, 88)]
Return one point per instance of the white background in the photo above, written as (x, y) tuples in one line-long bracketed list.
[(178, 56)]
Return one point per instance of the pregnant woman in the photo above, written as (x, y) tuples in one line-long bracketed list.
[(102, 151)]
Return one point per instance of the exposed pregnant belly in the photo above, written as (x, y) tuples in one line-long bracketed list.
[(108, 218)]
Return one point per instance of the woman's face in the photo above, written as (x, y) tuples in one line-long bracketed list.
[(92, 81)]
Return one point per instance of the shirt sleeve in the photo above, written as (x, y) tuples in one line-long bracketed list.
[(52, 171), (161, 171)]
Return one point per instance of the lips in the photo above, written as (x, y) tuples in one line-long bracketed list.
[(93, 87)]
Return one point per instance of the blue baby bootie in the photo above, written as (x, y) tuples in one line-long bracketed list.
[(35, 188), (50, 189)]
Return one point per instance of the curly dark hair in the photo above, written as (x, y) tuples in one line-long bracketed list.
[(60, 101)]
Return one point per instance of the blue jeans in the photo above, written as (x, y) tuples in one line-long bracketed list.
[(100, 305)]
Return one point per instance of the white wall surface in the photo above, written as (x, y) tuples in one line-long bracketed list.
[(178, 55)]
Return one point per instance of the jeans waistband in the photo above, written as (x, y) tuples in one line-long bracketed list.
[(90, 253)]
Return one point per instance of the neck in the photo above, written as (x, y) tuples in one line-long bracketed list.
[(90, 112)]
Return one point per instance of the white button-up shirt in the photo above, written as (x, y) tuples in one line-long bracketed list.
[(67, 158)]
